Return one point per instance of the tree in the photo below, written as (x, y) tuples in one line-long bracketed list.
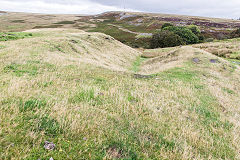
[(166, 38), (186, 34)]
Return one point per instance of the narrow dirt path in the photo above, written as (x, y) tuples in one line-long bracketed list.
[(126, 30)]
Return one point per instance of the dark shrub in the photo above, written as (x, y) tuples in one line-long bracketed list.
[(186, 34), (167, 25), (236, 33), (201, 38), (166, 39)]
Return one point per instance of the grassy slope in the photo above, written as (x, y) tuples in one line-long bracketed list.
[(187, 112), (124, 37)]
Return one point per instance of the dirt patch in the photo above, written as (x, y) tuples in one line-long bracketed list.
[(140, 76), (115, 153)]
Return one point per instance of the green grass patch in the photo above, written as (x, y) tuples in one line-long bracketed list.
[(21, 69), (209, 118), (32, 105), (132, 98), (58, 47), (40, 123), (99, 80), (14, 35), (45, 84), (229, 91), (132, 27), (122, 36), (164, 143), (87, 96), (199, 87), (102, 82), (179, 74), (48, 125), (137, 63)]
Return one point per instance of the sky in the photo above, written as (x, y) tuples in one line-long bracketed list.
[(207, 8)]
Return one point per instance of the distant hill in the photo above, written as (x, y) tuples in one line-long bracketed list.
[(131, 28)]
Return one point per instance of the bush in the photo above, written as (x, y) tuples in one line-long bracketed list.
[(201, 38), (166, 25), (166, 39), (194, 29), (186, 34), (236, 33)]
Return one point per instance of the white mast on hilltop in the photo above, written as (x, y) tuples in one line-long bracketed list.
[(124, 6)]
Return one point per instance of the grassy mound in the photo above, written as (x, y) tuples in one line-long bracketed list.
[(65, 87)]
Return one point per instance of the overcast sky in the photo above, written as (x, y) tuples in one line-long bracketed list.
[(209, 8)]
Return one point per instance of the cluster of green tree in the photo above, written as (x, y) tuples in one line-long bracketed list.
[(170, 36)]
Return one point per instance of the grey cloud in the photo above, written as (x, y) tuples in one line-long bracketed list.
[(212, 8)]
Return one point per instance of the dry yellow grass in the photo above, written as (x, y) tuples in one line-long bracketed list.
[(17, 21), (77, 91), (227, 49)]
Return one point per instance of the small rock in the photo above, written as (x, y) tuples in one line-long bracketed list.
[(101, 94), (12, 145), (196, 60), (214, 61), (49, 145)]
